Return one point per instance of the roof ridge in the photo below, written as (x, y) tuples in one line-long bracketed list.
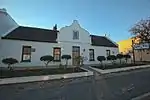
[(111, 41), (37, 28), (28, 34), (102, 41), (97, 35)]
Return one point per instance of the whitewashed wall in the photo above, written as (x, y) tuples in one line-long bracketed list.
[(67, 49), (13, 48), (98, 51), (101, 51), (65, 38), (66, 34)]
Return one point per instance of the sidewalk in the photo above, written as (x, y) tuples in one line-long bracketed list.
[(27, 79), (115, 70)]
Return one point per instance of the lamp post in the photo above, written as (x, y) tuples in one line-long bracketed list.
[(133, 51)]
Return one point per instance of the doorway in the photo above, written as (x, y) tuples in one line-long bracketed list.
[(75, 53)]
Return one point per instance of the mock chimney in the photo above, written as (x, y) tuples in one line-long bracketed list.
[(55, 27), (3, 10), (7, 23)]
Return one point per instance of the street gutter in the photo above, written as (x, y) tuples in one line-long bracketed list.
[(145, 96), (117, 70)]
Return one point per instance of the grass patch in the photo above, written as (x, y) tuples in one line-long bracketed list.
[(37, 72), (116, 66)]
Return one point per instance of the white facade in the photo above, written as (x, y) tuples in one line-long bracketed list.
[(13, 48), (65, 38), (65, 34)]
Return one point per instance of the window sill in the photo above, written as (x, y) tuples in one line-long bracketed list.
[(75, 39), (25, 61), (57, 61), (91, 60)]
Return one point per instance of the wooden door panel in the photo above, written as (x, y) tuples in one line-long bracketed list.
[(75, 53)]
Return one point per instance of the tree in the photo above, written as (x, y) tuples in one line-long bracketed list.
[(112, 58), (119, 56), (141, 30), (9, 62), (101, 59), (47, 59), (79, 60), (66, 57), (127, 56)]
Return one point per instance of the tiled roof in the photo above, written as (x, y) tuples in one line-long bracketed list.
[(32, 34), (102, 41), (45, 35)]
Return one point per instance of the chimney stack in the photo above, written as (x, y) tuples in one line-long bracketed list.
[(3, 10), (55, 27)]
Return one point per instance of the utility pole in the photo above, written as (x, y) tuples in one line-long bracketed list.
[(133, 51)]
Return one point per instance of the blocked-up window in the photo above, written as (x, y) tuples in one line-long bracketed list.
[(75, 35)]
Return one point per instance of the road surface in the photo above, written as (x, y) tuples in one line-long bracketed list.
[(120, 86)]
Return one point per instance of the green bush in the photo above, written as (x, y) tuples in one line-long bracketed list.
[(66, 57), (119, 56), (101, 59), (127, 56), (112, 58), (79, 60), (9, 62), (47, 59)]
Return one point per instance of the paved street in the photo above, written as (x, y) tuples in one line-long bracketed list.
[(121, 86)]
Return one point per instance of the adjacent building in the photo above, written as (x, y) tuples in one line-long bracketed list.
[(141, 51), (28, 44), (125, 46)]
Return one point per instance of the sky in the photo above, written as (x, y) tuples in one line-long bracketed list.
[(99, 17)]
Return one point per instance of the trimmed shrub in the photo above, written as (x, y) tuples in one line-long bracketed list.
[(47, 59), (66, 57), (119, 56), (127, 56), (101, 59), (9, 62), (112, 58)]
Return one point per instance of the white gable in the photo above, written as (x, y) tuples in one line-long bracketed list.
[(7, 24), (66, 34)]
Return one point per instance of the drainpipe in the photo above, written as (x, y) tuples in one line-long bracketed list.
[(133, 51)]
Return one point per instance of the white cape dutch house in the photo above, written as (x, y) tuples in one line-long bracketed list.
[(28, 44)]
